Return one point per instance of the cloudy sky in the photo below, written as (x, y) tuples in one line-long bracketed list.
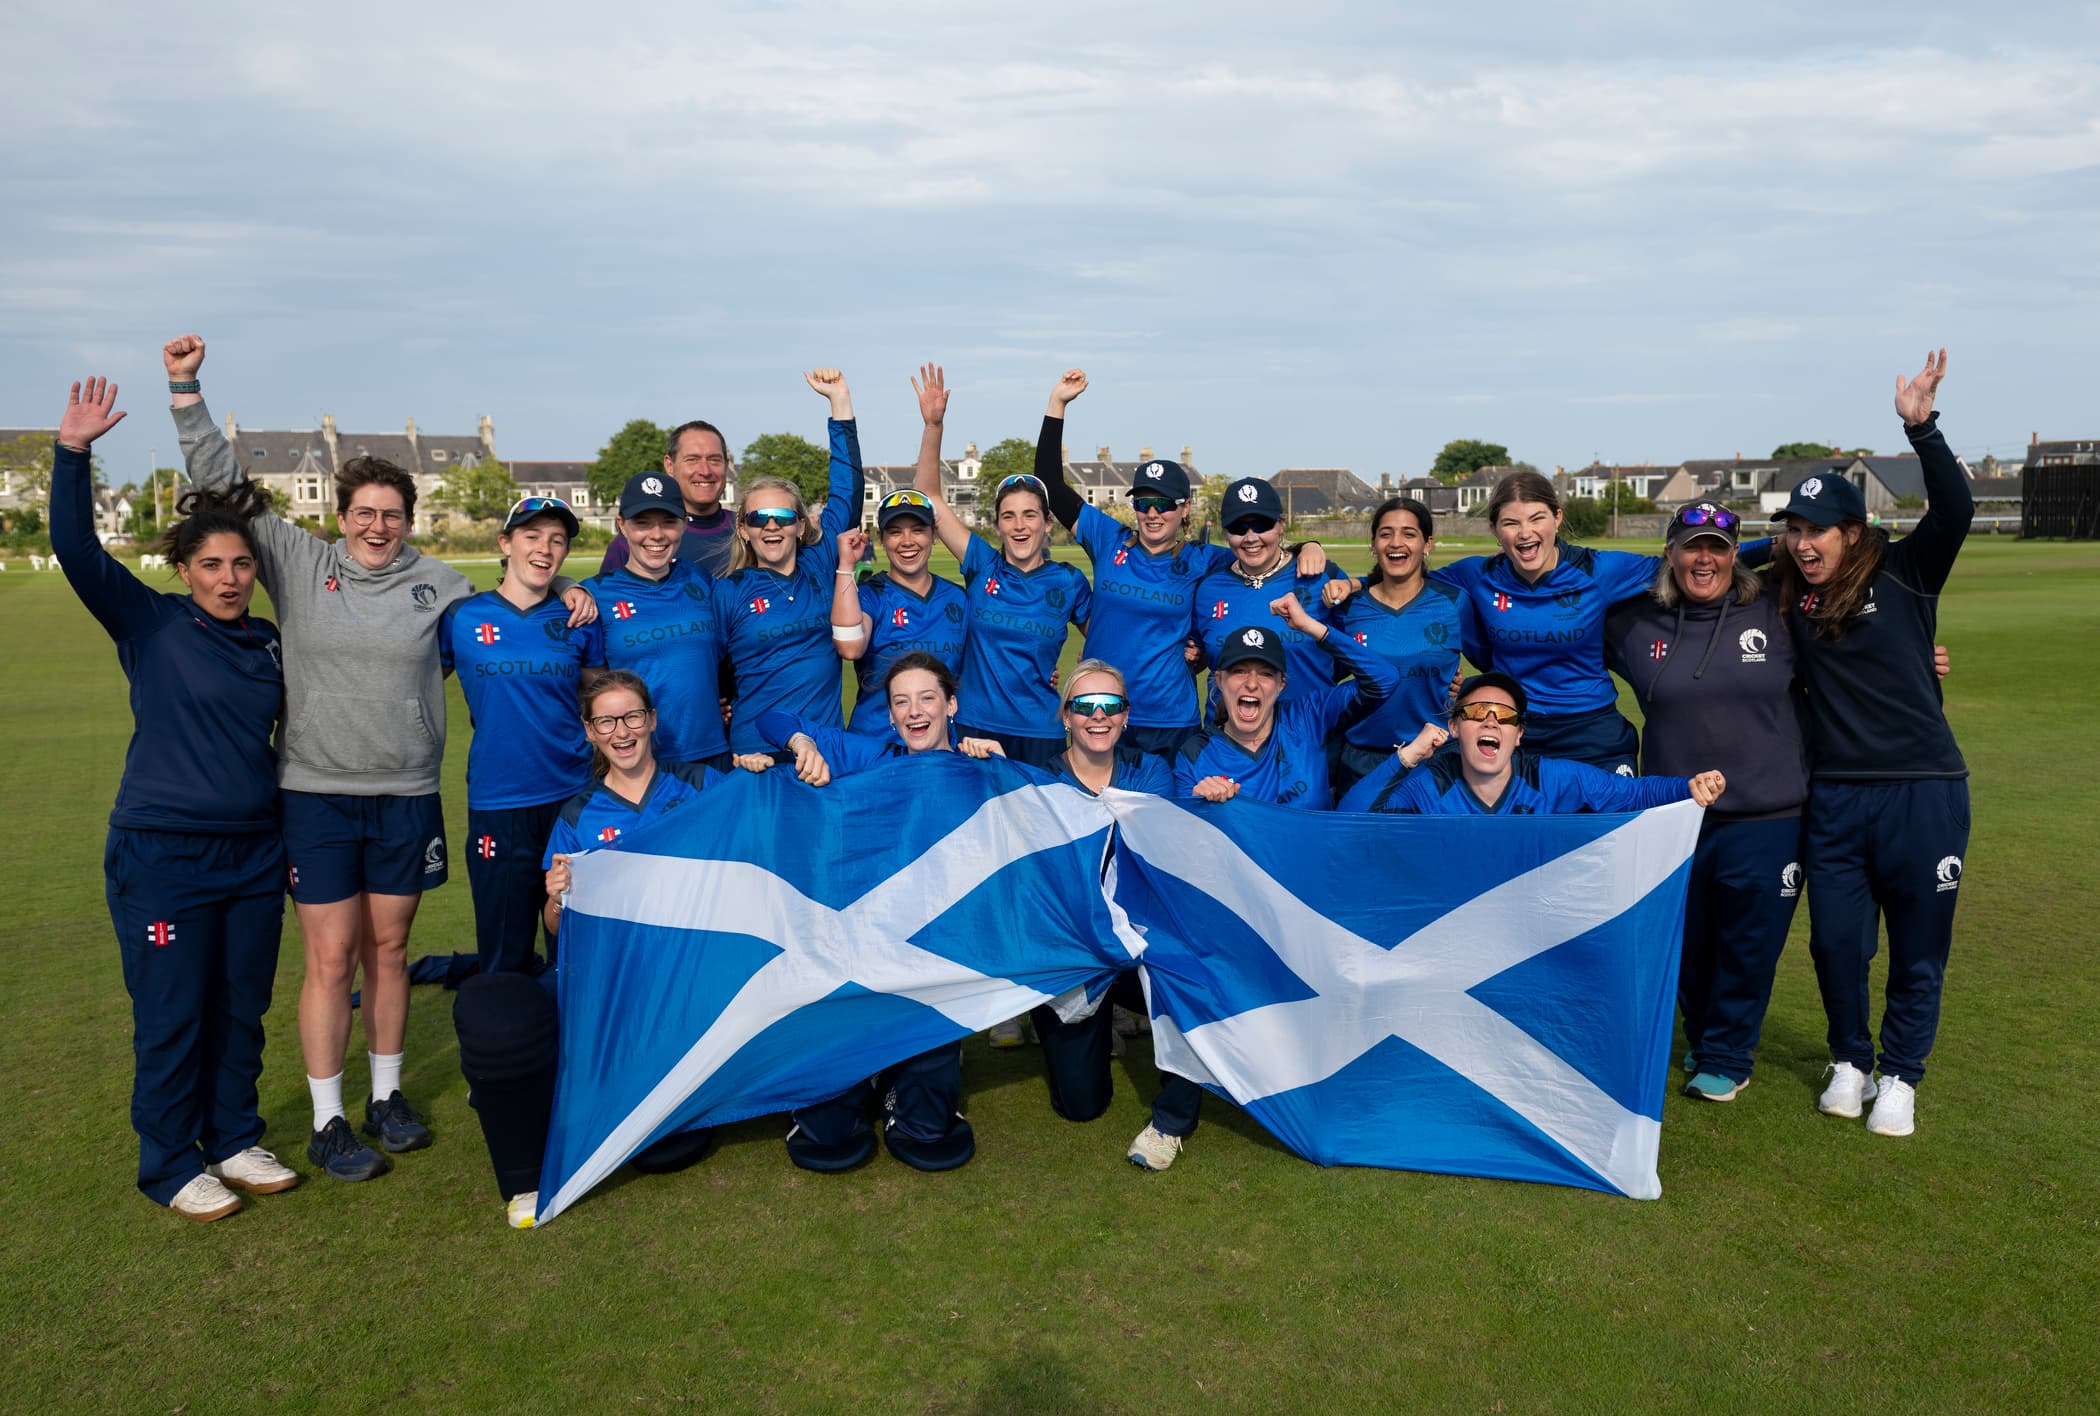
[(1643, 231)]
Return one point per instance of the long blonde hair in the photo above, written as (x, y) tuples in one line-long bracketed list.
[(741, 556)]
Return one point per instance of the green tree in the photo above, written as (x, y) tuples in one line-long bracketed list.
[(1462, 457), (1010, 458), (1797, 450), (480, 490), (792, 456), (25, 471), (638, 447)]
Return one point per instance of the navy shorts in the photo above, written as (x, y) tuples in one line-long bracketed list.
[(339, 846)]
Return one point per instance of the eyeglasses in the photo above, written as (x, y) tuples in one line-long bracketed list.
[(604, 724), (1251, 526), (1095, 705), (772, 518), (533, 506), (366, 515), (1152, 506), (1720, 518), (1022, 479), (1482, 712), (912, 499)]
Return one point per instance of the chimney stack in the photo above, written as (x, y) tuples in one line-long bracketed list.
[(1102, 456), (1144, 454), (1186, 456), (488, 435), (970, 451)]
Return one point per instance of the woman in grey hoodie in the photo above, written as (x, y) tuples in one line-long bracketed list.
[(358, 760)]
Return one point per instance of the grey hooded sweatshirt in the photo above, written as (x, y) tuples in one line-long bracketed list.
[(364, 710)]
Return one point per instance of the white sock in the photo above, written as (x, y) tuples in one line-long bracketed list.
[(328, 1098), (386, 1075)]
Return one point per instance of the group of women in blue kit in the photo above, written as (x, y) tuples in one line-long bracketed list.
[(1811, 688)]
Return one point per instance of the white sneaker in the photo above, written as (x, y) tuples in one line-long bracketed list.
[(204, 1199), (1849, 1087), (1153, 1150), (1895, 1108), (1007, 1034), (256, 1171), (523, 1211)]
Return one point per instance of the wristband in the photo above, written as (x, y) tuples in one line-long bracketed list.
[(851, 634), (185, 386), (842, 571)]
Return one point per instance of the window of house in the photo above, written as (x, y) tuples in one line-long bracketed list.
[(311, 489), (438, 454)]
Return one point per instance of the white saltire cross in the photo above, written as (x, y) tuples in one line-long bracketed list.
[(1417, 990)]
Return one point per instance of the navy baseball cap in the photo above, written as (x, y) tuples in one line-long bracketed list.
[(1703, 519), (650, 491), (1253, 642), (1825, 499), (526, 508), (903, 503), (1492, 679), (1161, 478), (1250, 496)]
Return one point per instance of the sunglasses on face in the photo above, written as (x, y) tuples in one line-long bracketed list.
[(1096, 705), (1720, 518), (912, 499), (1251, 526), (1483, 712), (772, 518), (1152, 506)]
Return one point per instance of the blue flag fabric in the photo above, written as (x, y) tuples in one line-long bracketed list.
[(1482, 996), (1472, 995), (762, 951)]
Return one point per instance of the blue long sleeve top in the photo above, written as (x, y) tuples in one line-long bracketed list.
[(1538, 786), (1290, 769), (206, 694)]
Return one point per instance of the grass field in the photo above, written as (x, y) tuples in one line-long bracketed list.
[(1794, 1262)]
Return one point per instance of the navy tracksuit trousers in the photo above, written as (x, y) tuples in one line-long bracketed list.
[(1601, 737), (504, 850), (1890, 852), (1746, 880), (198, 920), (1076, 1058)]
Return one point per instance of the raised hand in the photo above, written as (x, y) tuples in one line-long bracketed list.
[(1334, 591), (1707, 787), (1914, 396), (1426, 742), (183, 355), (1069, 387), (1287, 609), (851, 544), (932, 387), (832, 384), (88, 416), (1312, 560)]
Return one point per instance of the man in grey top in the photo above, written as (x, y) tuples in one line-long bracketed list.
[(358, 761)]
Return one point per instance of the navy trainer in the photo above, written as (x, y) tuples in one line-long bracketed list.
[(338, 1151), (398, 1125)]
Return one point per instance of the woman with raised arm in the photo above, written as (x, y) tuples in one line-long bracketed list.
[(923, 1124), (898, 611), (509, 1024), (1144, 580), (358, 762), (1407, 619), (1888, 805), (520, 667), (1021, 601), (775, 603), (193, 865)]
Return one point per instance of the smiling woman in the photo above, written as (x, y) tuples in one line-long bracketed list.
[(363, 742)]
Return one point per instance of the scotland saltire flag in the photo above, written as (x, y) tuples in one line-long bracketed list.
[(1473, 995), (760, 949)]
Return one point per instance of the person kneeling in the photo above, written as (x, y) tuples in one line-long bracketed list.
[(1492, 775)]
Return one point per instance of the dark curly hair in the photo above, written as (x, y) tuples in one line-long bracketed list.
[(370, 471), (206, 512)]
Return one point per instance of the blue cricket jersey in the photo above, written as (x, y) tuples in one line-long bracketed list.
[(205, 693), (668, 631), (1016, 633), (777, 628), (1133, 771), (1142, 613), (1225, 602), (520, 671), (596, 818), (904, 621), (1421, 640), (844, 752), (1548, 636), (1291, 768), (1538, 786)]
